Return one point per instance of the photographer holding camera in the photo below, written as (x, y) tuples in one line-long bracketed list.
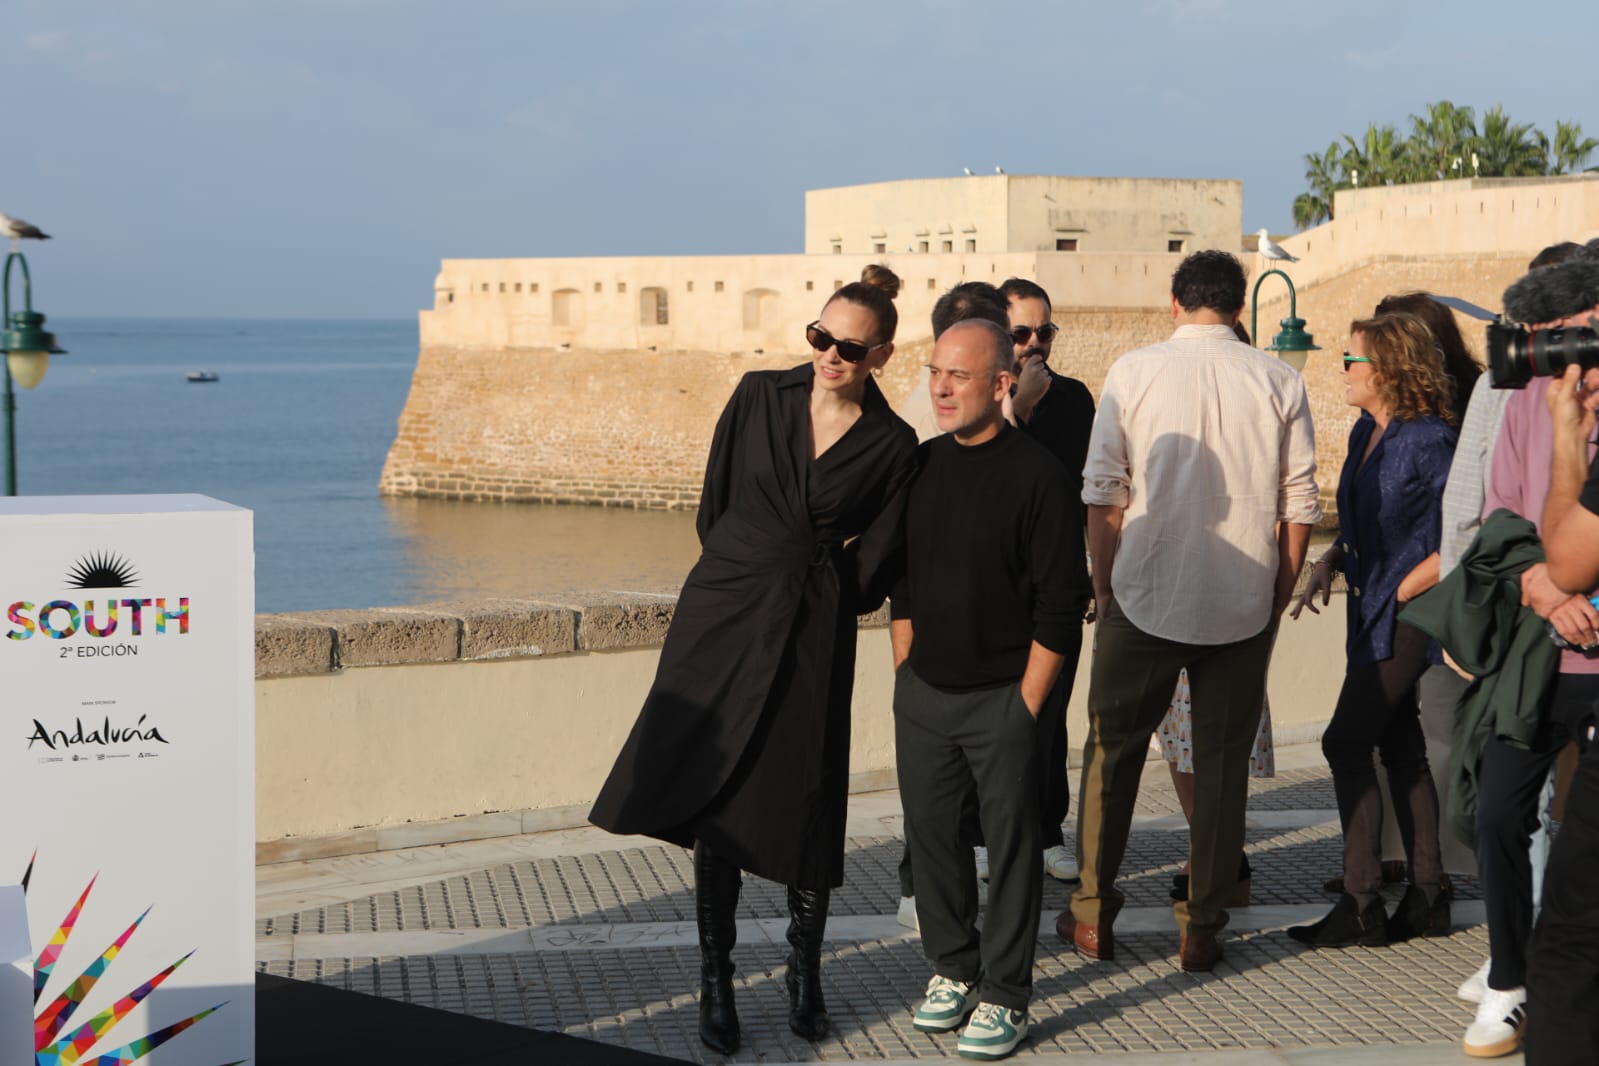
[(1563, 964)]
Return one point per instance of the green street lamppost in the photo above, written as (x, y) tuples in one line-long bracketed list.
[(28, 350), (1293, 344)]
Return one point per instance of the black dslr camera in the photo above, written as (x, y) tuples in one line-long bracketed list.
[(1517, 354)]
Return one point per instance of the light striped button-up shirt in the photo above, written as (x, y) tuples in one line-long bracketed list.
[(1207, 444), (1468, 474)]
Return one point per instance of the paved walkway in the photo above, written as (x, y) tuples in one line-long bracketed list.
[(592, 935)]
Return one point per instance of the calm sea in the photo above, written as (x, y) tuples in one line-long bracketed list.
[(296, 429)]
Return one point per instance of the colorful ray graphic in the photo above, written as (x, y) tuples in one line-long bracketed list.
[(52, 1049)]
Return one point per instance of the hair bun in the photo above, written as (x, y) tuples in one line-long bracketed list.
[(880, 277)]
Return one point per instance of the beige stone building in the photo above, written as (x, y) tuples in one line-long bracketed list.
[(599, 380), (1024, 213)]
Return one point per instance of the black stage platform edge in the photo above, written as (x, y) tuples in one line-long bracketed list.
[(298, 1023)]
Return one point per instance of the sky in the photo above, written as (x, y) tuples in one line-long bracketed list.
[(317, 158)]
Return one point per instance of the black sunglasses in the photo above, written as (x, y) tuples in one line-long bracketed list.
[(849, 351), (1045, 333)]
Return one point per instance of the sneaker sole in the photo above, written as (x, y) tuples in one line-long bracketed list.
[(1508, 1046)]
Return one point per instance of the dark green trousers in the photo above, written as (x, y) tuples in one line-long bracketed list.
[(949, 744), (1129, 690)]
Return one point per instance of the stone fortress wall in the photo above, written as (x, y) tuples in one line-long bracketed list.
[(592, 398)]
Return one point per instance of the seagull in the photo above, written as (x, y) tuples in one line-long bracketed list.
[(18, 230), (968, 171), (1476, 170), (998, 169), (1270, 249)]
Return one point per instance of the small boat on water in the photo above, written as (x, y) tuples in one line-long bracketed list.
[(198, 376)]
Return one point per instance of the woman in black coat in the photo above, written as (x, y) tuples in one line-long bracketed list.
[(742, 749)]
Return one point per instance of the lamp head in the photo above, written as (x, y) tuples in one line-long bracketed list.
[(28, 347)]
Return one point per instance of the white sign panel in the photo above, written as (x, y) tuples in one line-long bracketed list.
[(127, 773)]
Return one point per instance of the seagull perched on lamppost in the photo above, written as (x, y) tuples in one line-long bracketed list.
[(1270, 249), (17, 230)]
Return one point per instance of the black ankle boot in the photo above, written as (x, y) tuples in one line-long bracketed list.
[(1416, 917), (1346, 925), (807, 920), (716, 888)]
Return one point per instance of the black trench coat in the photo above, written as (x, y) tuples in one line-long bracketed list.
[(743, 742)]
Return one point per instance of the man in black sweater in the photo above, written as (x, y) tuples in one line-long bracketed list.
[(1057, 412), (993, 592)]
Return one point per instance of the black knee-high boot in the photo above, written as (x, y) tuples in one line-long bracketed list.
[(716, 888), (807, 921)]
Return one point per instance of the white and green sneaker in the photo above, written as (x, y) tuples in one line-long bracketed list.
[(945, 1007), (993, 1033)]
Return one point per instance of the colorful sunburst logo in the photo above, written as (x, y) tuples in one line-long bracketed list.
[(102, 570), (51, 1046)]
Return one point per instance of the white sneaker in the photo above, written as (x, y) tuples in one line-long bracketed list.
[(907, 913), (981, 855), (1473, 988), (1501, 1017), (993, 1032), (947, 1004), (1059, 864)]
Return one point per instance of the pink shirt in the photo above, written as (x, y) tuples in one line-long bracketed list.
[(1519, 479)]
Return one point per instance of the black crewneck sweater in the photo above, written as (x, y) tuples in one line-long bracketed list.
[(994, 560)]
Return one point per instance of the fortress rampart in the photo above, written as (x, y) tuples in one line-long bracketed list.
[(599, 380)]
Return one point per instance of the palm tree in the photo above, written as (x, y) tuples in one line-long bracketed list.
[(1439, 138), (1509, 149), (1324, 174), (1570, 149), (1377, 156)]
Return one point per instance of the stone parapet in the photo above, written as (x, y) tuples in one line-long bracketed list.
[(324, 642)]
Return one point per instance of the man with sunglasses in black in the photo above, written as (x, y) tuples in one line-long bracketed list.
[(1057, 412)]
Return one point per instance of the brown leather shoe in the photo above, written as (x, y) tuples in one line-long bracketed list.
[(1091, 941), (1199, 953)]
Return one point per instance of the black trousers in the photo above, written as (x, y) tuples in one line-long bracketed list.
[(1510, 785), (949, 746), (1055, 792), (1563, 965), (1377, 709)]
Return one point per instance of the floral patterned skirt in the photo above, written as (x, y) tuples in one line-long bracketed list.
[(1176, 733)]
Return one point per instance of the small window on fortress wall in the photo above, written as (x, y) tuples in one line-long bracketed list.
[(931, 284), (566, 308), (1065, 244), (1174, 246), (519, 286), (971, 244), (691, 286), (621, 286), (533, 287), (838, 249), (485, 286), (948, 246), (599, 286), (879, 247), (652, 309), (921, 246), (810, 285), (718, 286), (502, 286), (761, 308)]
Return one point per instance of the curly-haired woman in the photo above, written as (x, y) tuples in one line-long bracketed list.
[(1389, 516)]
